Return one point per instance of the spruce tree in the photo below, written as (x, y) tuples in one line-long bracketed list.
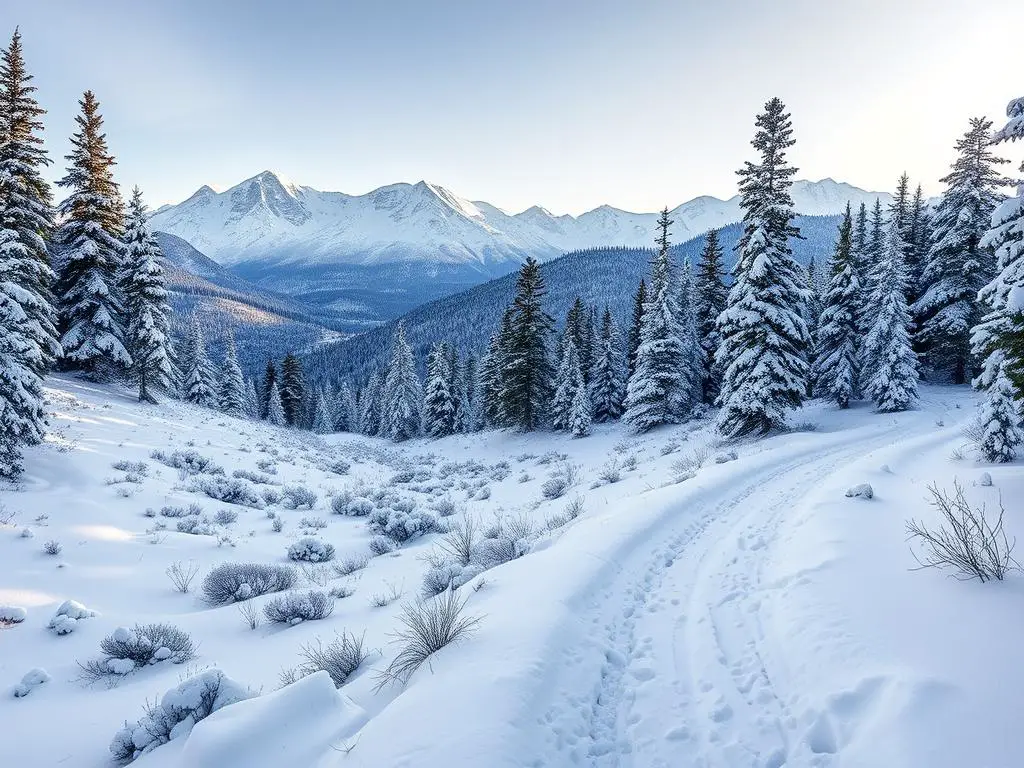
[(569, 380), (838, 335), (876, 238), (607, 390), (197, 385), (266, 386), (370, 405), (889, 363), (580, 412), (999, 336), (693, 363), (1000, 419), (527, 372), (465, 402), (633, 338), (293, 390), (323, 421), (919, 233), (402, 402), (231, 397), (90, 311), (344, 416), (439, 403), (146, 304), (957, 265), (275, 410), (710, 296), (764, 337), (862, 263), (252, 400), (658, 392)]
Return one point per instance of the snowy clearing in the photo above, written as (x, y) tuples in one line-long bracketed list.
[(666, 604)]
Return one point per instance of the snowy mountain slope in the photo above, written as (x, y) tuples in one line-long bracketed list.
[(752, 615), (602, 276), (267, 219)]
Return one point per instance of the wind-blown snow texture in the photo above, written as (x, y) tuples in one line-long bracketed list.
[(752, 615)]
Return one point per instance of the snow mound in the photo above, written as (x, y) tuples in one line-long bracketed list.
[(985, 479), (12, 614), (30, 681), (67, 617), (296, 725), (862, 491)]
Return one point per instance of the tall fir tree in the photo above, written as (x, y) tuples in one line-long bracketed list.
[(569, 380), (439, 402), (876, 238), (999, 337), (658, 392), (345, 414), (492, 374), (268, 384), (838, 334), (710, 296), (323, 420), (957, 265), (252, 400), (812, 314), (889, 363), (90, 311), (370, 405), (694, 363), (28, 338), (292, 387), (862, 261), (633, 337), (231, 397), (919, 234), (401, 412), (146, 304), (197, 379), (465, 386), (527, 373), (764, 337), (275, 410), (606, 386)]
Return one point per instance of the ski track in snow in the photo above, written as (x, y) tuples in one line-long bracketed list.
[(681, 623)]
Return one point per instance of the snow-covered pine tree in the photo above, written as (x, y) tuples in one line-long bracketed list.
[(588, 345), (197, 378), (889, 362), (275, 411), (401, 414), (838, 339), (1000, 419), (580, 412), (919, 232), (252, 400), (28, 339), (764, 338), (900, 212), (439, 403), (90, 311), (693, 367), (876, 237), (323, 422), (370, 405), (527, 371), (465, 388), (569, 380), (146, 305), (957, 265), (269, 382), (606, 386), (710, 296), (659, 392), (344, 416), (231, 396), (292, 388), (633, 336), (999, 336)]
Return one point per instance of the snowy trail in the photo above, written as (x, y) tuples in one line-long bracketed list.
[(687, 676)]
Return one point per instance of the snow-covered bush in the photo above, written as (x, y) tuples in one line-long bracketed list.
[(68, 614), (53, 547), (30, 681), (357, 507), (313, 523), (296, 607), (349, 565), (12, 614), (726, 457), (402, 476), (277, 525), (985, 480), (338, 467), (225, 516), (611, 472), (298, 496), (862, 491), (252, 477), (401, 525), (382, 545), (232, 582), (189, 462), (311, 550), (192, 510), (340, 658), (230, 490), (127, 649), (195, 526), (445, 507), (505, 541), (449, 575), (427, 627), (177, 712), (560, 481), (270, 496), (482, 493)]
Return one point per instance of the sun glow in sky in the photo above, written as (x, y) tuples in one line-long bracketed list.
[(567, 104)]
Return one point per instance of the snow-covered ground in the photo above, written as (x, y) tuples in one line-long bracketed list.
[(748, 615)]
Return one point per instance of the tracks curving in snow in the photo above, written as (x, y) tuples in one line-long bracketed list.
[(673, 667)]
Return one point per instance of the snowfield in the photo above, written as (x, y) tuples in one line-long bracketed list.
[(679, 603)]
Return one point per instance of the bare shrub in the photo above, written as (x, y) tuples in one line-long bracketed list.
[(340, 658), (234, 582), (313, 523), (192, 510), (296, 607), (966, 539), (250, 614), (460, 542), (341, 591), (138, 468), (384, 599), (316, 574), (684, 467), (427, 627), (53, 547), (252, 477), (225, 516), (611, 472), (181, 575), (188, 462), (349, 565), (127, 649), (560, 481), (230, 490)]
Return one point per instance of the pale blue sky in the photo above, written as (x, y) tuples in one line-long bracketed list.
[(564, 104)]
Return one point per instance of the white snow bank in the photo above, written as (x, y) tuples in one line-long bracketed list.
[(12, 614), (296, 725), (30, 681), (68, 615)]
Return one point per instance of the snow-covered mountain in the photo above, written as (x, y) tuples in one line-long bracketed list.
[(267, 219)]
